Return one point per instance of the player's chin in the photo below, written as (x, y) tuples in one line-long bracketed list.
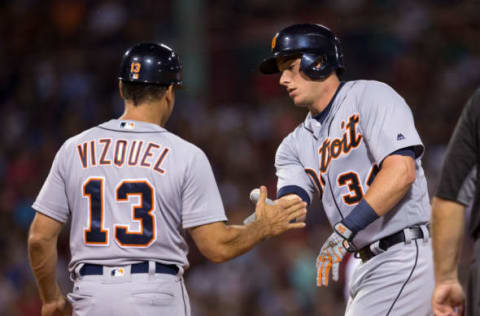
[(299, 101), (300, 104)]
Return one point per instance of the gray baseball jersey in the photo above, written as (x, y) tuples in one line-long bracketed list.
[(130, 189), (339, 157), (338, 154)]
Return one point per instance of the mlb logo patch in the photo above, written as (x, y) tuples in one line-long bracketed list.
[(118, 272), (127, 125)]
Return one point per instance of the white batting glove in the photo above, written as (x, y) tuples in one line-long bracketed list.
[(332, 253)]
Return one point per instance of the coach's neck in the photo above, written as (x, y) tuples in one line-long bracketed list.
[(156, 111)]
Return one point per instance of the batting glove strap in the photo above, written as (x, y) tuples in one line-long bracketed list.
[(344, 232), (341, 229)]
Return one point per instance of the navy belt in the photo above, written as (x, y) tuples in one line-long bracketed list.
[(366, 253), (97, 269)]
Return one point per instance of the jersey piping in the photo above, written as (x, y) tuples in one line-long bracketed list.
[(406, 281), (125, 131), (323, 115)]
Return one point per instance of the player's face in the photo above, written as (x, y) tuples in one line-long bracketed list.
[(300, 88)]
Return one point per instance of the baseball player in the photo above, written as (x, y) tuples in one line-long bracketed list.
[(130, 189), (358, 149)]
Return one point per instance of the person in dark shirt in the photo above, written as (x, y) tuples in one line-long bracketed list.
[(456, 189)]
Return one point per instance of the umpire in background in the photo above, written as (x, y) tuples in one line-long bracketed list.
[(456, 189)]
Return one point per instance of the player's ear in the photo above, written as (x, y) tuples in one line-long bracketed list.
[(120, 88), (170, 94)]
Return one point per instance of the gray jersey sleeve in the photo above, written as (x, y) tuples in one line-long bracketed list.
[(290, 171), (387, 122), (201, 200), (52, 199)]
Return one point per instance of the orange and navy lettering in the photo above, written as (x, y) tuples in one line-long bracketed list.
[(92, 153), (120, 149), (95, 234), (352, 180), (106, 146), (141, 212), (148, 154), (82, 152), (332, 149), (116, 152), (160, 160), (318, 181), (135, 67)]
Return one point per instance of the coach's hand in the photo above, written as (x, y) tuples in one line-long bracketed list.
[(448, 298), (58, 307), (332, 253), (276, 218)]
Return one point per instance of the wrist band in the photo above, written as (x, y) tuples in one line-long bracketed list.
[(360, 217)]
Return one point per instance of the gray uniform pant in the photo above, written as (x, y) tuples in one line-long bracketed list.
[(397, 282), (473, 289), (142, 294)]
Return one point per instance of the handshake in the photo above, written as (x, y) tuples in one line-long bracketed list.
[(280, 215)]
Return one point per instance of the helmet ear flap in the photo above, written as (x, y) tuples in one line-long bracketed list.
[(315, 66)]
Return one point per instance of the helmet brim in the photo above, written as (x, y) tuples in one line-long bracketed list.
[(269, 66)]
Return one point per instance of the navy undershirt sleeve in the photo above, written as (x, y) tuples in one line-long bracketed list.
[(294, 189), (408, 151)]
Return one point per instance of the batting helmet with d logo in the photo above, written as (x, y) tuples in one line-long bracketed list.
[(314, 43)]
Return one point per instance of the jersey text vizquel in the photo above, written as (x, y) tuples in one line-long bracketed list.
[(132, 153)]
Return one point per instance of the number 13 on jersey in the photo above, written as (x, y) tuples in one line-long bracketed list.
[(96, 234)]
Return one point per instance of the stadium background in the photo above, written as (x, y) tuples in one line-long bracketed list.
[(59, 62)]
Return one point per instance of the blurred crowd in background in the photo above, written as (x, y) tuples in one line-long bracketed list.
[(59, 62)]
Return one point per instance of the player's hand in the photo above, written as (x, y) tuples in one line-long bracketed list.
[(448, 299), (58, 307), (332, 253), (276, 218)]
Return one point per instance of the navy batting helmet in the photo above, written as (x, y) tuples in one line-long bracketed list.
[(313, 43), (151, 63)]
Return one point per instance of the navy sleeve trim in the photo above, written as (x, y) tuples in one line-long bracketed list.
[(294, 189), (408, 151)]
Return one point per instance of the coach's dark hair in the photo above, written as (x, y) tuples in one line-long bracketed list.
[(140, 92)]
